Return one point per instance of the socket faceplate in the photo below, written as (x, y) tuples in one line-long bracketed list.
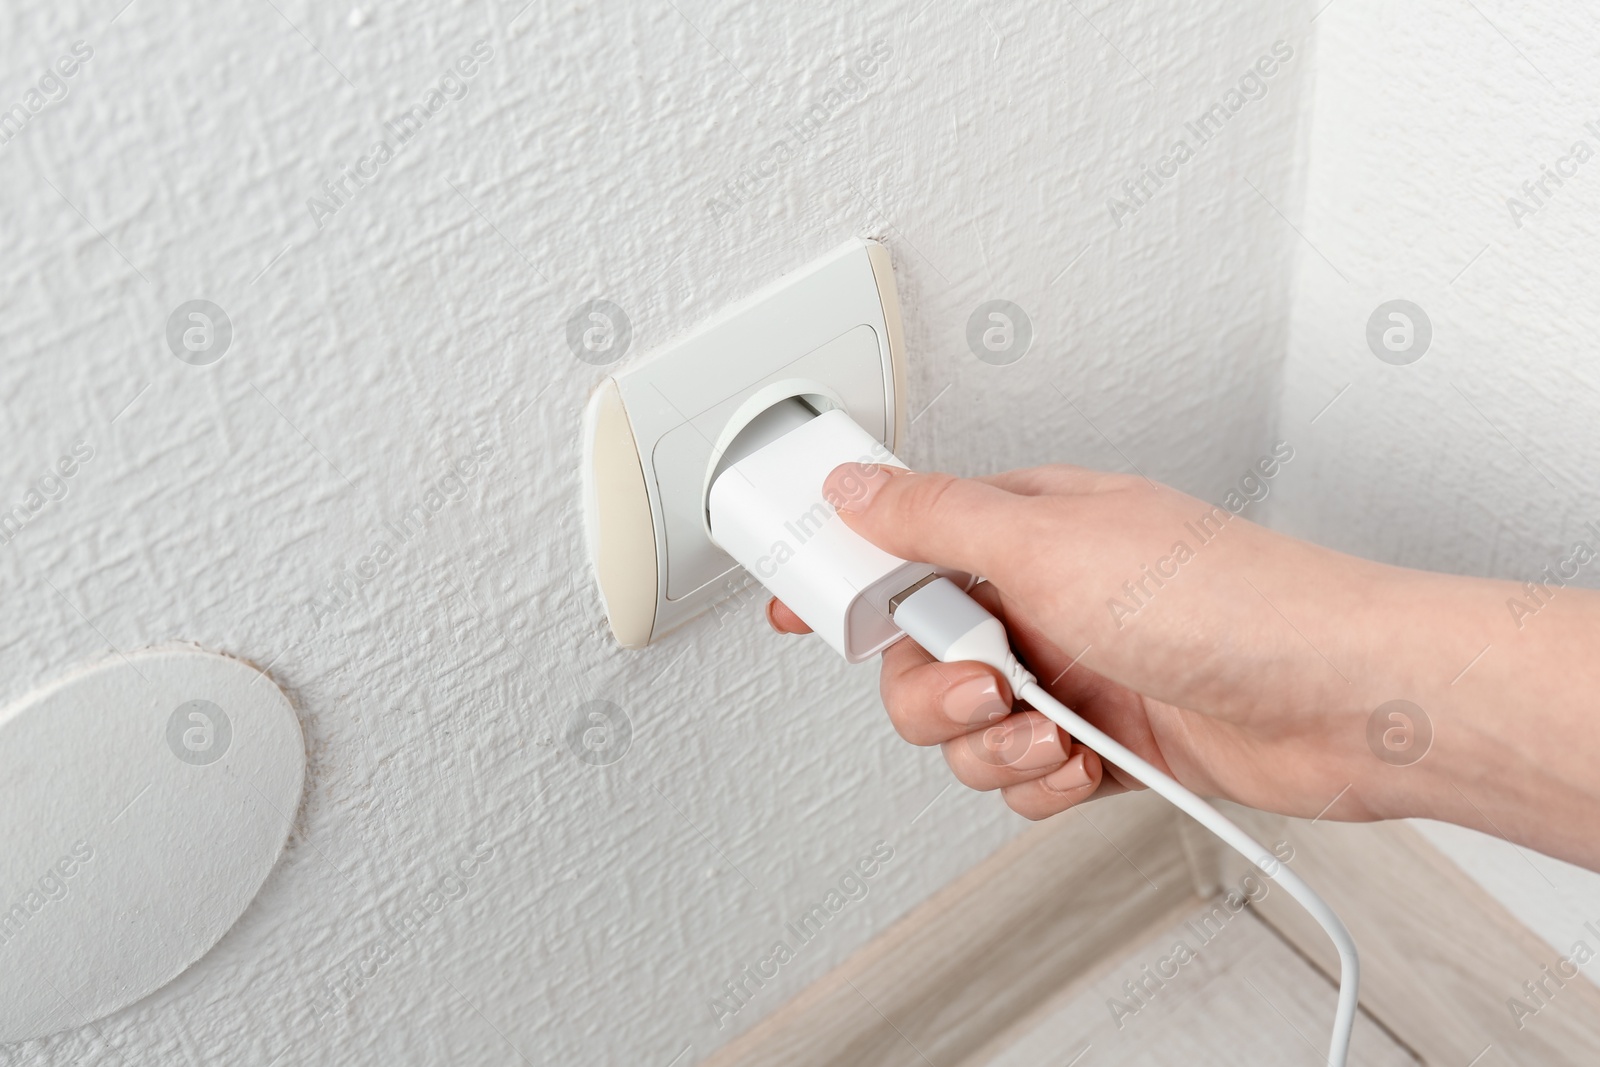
[(830, 331)]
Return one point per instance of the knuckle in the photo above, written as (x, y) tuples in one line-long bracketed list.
[(1026, 804), (908, 714), (970, 773), (908, 722), (927, 492)]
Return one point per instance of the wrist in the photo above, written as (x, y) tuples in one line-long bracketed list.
[(1418, 637), (1495, 731)]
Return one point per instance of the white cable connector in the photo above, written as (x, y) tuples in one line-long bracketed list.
[(767, 511)]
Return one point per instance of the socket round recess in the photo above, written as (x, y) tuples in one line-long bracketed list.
[(746, 428)]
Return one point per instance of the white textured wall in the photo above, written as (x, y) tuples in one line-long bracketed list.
[(424, 322), (1480, 457)]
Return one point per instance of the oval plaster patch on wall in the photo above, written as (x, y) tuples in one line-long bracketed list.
[(142, 803)]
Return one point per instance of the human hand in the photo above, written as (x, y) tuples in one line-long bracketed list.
[(1243, 662), (1204, 642)]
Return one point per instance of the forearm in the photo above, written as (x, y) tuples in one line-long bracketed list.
[(1507, 681)]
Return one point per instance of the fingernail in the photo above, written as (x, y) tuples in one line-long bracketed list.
[(771, 619), (1071, 776), (851, 486), (974, 701), (1044, 748)]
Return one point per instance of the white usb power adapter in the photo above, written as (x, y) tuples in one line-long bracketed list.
[(765, 509)]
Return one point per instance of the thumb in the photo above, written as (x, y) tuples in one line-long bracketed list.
[(931, 518)]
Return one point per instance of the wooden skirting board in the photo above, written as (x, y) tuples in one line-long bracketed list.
[(1072, 896), (1440, 957)]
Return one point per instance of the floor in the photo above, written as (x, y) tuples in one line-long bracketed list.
[(1215, 988)]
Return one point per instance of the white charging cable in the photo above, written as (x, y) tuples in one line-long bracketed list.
[(953, 627)]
